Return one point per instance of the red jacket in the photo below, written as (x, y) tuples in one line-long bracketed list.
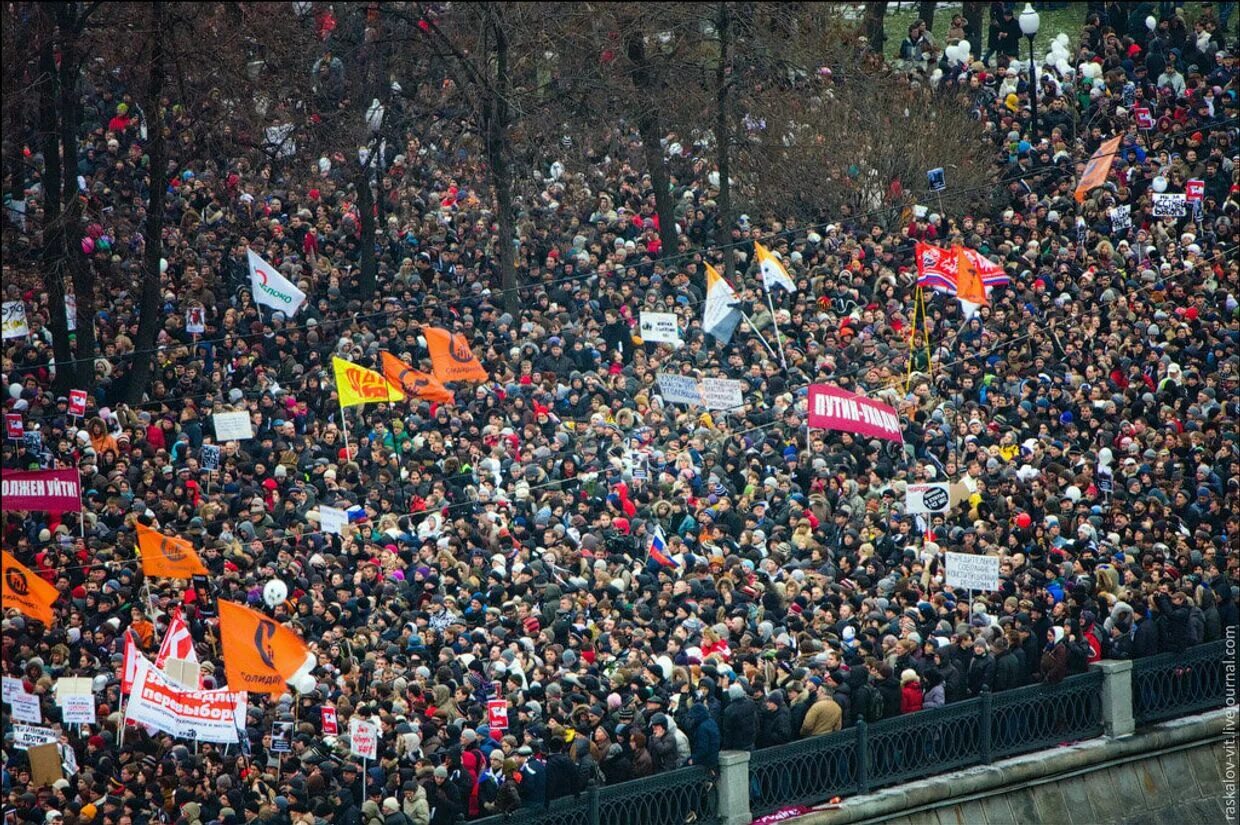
[(910, 697)]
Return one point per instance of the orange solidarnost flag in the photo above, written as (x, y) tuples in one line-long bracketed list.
[(451, 357), (968, 282), (414, 382), (28, 592), (260, 654), (1098, 169), (168, 556)]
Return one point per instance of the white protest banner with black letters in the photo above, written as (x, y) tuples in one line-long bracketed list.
[(722, 394), (30, 736), (927, 498), (679, 389), (1170, 205), (232, 426), (659, 327), (969, 572)]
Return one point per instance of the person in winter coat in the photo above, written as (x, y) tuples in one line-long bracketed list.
[(1145, 635), (1054, 666), (413, 803), (643, 763), (1173, 619), (934, 695), (824, 716), (955, 686), (1007, 666), (982, 668), (371, 814), (738, 730), (910, 691), (799, 701), (562, 776), (392, 814), (888, 687), (532, 777), (662, 744), (444, 798), (776, 724), (705, 738)]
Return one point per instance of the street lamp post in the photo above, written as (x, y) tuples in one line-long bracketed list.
[(1029, 25)]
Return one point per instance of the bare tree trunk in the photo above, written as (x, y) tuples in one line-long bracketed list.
[(498, 120), (973, 17), (648, 129), (925, 10), (53, 252), (148, 306), (723, 137), (79, 266), (366, 215), (872, 24)]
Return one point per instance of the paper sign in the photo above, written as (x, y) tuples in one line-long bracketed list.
[(210, 457), (14, 320), (722, 394), (1121, 217), (78, 709), (333, 519), (363, 738), (196, 320), (497, 714), (927, 498), (832, 408), (232, 426), (44, 764), (659, 327), (26, 708), (1170, 205), (185, 673), (969, 572), (1194, 190), (73, 686), (1145, 119), (328, 717), (679, 389), (13, 426), (936, 179), (29, 736), (281, 737), (12, 686), (77, 402)]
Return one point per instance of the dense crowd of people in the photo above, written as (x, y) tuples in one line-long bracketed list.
[(1089, 412)]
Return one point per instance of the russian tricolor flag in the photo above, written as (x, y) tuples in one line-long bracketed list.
[(658, 550)]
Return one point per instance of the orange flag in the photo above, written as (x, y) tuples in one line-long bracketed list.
[(414, 382), (1098, 169), (969, 288), (260, 654), (167, 556), (26, 591), (451, 357)]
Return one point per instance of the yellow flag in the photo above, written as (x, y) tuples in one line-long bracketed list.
[(358, 385)]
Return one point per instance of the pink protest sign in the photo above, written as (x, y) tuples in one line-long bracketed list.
[(831, 408)]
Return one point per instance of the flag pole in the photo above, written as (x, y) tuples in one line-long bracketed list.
[(770, 301), (345, 426), (765, 343)]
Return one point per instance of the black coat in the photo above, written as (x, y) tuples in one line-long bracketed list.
[(1008, 673), (889, 689), (981, 674), (562, 777), (776, 727), (1173, 633), (739, 725)]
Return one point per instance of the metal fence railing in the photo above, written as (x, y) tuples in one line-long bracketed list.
[(1173, 684), (672, 798), (973, 732), (859, 759)]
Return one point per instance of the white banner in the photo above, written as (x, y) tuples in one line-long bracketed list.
[(679, 389), (78, 709), (363, 738), (659, 327), (333, 519), (232, 426), (970, 572), (206, 715), (927, 498), (26, 708), (29, 736), (1121, 217), (14, 324), (722, 394), (1170, 204)]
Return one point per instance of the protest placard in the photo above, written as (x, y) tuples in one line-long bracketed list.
[(679, 389), (659, 327), (1170, 205), (969, 572), (232, 426), (722, 394), (927, 498)]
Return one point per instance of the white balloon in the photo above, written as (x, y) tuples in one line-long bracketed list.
[(965, 48), (15, 391), (1160, 184), (1073, 493), (304, 684), (1062, 66), (163, 265), (1061, 39), (1105, 457), (274, 592), (713, 179), (1151, 23)]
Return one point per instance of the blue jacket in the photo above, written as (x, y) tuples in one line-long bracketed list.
[(705, 738), (533, 784)]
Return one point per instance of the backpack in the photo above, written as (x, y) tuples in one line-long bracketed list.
[(874, 705)]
